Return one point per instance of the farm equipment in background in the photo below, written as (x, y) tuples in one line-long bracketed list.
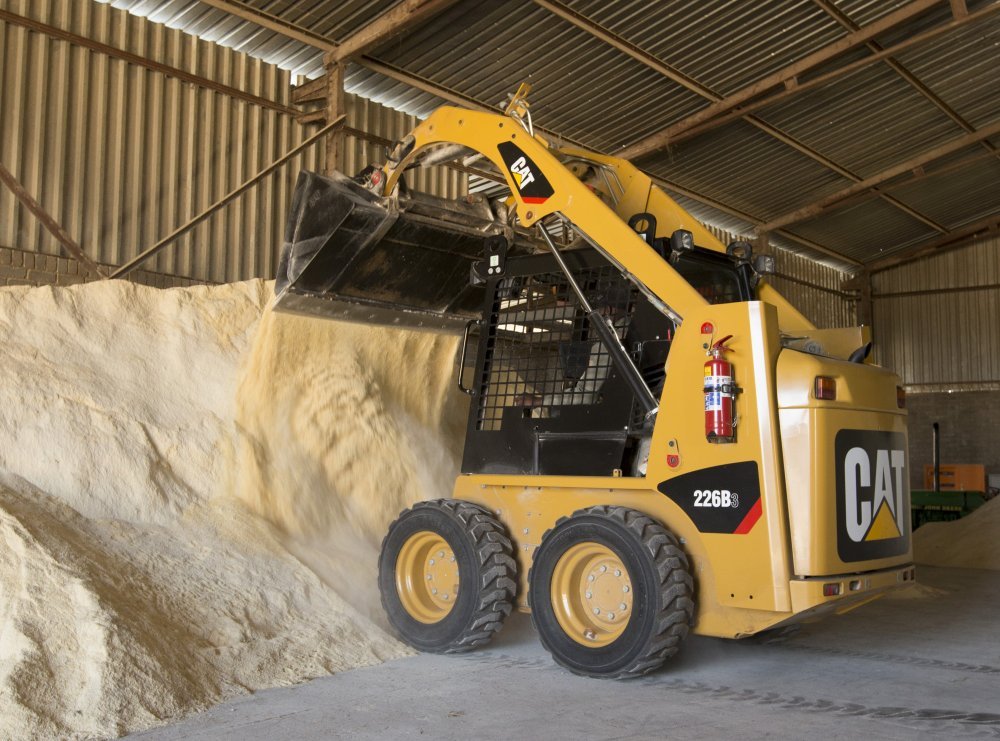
[(951, 491)]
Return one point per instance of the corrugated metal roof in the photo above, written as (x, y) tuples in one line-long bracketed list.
[(964, 69), (724, 45), (955, 201), (745, 168), (864, 231), (865, 122), (589, 91)]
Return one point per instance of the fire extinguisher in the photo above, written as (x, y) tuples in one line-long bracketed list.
[(720, 396)]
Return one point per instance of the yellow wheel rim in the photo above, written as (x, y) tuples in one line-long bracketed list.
[(427, 577), (591, 594)]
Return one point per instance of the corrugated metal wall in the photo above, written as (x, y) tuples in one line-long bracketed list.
[(121, 155), (811, 287), (814, 289), (937, 321)]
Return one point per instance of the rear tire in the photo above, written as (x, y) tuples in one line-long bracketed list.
[(611, 593), (447, 576)]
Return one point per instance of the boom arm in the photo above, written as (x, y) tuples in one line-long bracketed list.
[(542, 186)]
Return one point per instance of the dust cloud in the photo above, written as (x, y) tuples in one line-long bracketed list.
[(339, 428)]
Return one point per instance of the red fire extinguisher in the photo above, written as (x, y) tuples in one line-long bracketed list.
[(720, 396)]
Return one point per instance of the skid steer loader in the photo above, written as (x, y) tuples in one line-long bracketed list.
[(657, 441)]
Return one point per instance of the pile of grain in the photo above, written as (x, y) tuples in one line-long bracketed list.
[(972, 542), (138, 578)]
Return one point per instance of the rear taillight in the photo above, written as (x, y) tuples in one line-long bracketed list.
[(831, 590), (900, 397), (825, 388)]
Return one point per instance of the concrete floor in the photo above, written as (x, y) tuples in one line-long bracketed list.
[(902, 668)]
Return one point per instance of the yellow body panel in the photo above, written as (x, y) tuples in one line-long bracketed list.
[(746, 580), (865, 400)]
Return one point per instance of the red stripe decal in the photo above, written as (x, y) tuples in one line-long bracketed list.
[(529, 199), (750, 520)]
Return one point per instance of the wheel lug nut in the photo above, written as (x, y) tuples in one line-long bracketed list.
[(617, 572), (590, 578), (432, 562), (434, 591), (625, 587), (597, 610), (603, 569), (444, 596), (429, 577), (453, 559), (611, 616), (623, 607), (589, 595), (441, 554)]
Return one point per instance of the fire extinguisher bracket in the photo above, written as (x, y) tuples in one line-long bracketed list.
[(720, 395)]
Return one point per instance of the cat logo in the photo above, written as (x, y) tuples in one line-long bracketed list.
[(882, 517), (872, 495), (532, 185), (521, 172)]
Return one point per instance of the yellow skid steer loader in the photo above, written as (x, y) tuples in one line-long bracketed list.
[(657, 442)]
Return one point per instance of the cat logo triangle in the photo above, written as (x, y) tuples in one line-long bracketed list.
[(883, 526)]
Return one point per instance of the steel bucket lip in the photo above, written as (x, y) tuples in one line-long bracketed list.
[(397, 261)]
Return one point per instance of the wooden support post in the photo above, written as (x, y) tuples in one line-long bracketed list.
[(335, 156), (762, 244), (51, 225), (861, 284)]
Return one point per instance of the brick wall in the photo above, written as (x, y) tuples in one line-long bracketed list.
[(968, 422), (24, 268)]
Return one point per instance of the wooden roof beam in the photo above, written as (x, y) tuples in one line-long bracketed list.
[(648, 60), (397, 21), (794, 86), (313, 91), (817, 207), (663, 137), (957, 238), (911, 79)]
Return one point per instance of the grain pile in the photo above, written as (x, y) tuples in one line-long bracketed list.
[(156, 535), (972, 542)]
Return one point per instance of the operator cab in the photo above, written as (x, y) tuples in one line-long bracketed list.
[(547, 397)]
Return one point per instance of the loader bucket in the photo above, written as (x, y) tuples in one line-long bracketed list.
[(348, 256)]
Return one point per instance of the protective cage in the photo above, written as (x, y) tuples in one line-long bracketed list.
[(547, 398)]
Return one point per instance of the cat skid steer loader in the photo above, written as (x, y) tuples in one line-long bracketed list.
[(657, 441)]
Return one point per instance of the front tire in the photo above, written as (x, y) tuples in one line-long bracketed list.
[(611, 594), (447, 576)]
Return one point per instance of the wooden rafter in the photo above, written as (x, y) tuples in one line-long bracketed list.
[(394, 22), (955, 239), (904, 168), (648, 60), (794, 86), (663, 137), (314, 91), (843, 19)]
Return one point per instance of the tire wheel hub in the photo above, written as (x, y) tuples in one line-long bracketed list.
[(591, 594), (427, 577)]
